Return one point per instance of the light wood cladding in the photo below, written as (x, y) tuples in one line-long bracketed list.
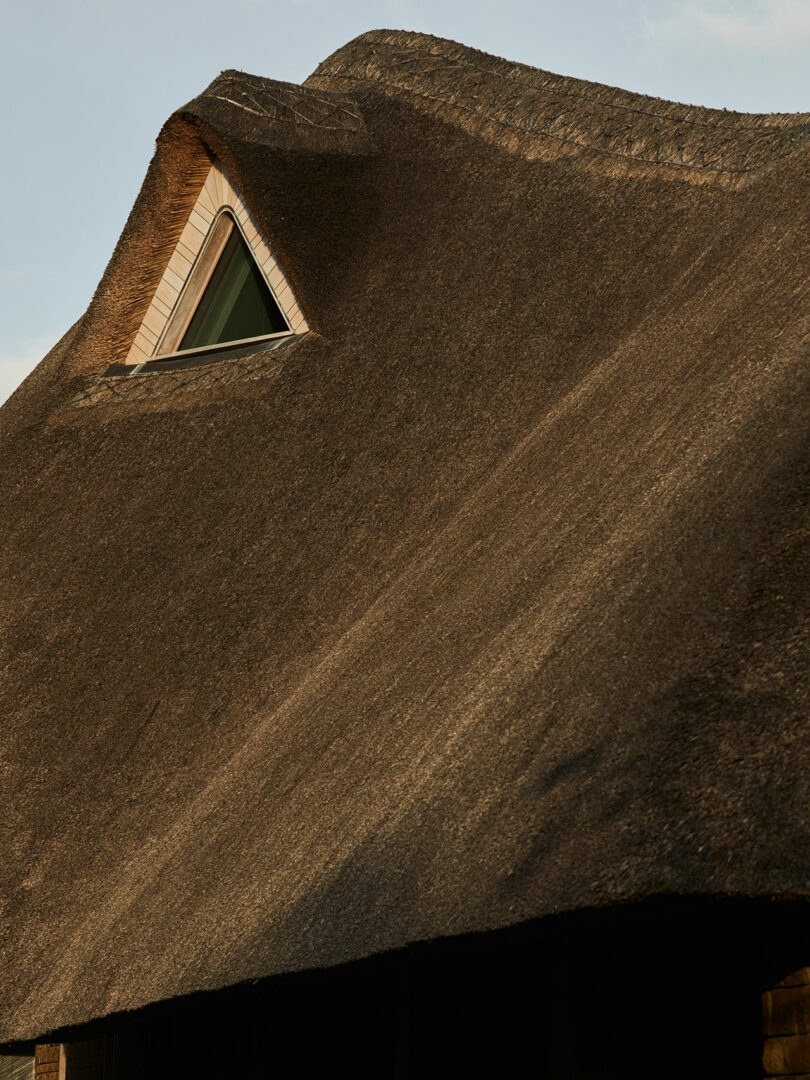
[(46, 1061), (158, 334), (786, 1026), (204, 267)]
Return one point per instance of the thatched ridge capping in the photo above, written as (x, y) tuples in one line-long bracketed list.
[(286, 102), (281, 114), (574, 111)]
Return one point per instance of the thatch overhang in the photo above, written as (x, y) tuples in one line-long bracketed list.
[(484, 601), (282, 115)]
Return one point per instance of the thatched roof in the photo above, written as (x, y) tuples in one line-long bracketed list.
[(512, 103), (484, 600)]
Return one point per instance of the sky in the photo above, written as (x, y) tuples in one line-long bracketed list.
[(85, 86)]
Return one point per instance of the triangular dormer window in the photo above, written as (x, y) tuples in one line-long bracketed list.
[(223, 286)]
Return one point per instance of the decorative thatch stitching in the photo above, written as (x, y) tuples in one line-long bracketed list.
[(568, 110), (286, 102)]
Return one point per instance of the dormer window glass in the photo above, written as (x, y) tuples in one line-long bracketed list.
[(236, 304)]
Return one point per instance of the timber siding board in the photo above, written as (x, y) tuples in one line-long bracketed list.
[(162, 307), (152, 320), (207, 200), (786, 1011), (148, 335), (200, 222), (167, 294), (174, 279), (276, 279), (262, 253), (46, 1061), (297, 319), (181, 264), (191, 238), (786, 1026), (185, 252), (249, 229), (787, 1055), (84, 1060), (137, 354)]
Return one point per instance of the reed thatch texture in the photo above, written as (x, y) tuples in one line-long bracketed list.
[(492, 602), (282, 114), (167, 201), (448, 78), (148, 385)]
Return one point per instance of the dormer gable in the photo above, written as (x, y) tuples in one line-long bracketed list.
[(223, 285)]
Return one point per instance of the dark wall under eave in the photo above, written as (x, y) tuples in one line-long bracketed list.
[(656, 991)]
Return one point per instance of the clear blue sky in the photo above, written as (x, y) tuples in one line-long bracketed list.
[(86, 84)]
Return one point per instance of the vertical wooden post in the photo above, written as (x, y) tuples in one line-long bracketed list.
[(786, 1027), (46, 1061), (70, 1061)]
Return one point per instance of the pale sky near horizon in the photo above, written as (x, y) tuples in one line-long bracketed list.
[(85, 86)]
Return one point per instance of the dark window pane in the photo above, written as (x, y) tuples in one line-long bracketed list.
[(236, 303)]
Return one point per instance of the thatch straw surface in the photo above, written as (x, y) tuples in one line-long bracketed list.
[(112, 388), (452, 78), (491, 602), (282, 114)]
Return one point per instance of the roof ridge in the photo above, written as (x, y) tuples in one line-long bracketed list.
[(285, 102), (569, 110)]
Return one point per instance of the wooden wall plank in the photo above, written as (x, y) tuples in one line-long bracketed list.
[(786, 1055), (786, 1010)]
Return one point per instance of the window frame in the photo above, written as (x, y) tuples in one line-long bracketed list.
[(194, 288)]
